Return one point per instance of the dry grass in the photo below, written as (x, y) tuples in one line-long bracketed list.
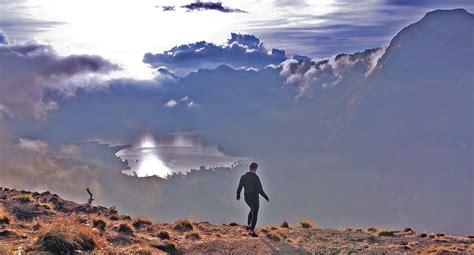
[(307, 223), (372, 229), (142, 221), (4, 250), (285, 224), (99, 223), (273, 237), (387, 232), (183, 225), (193, 235), (65, 235), (164, 235), (4, 220), (26, 198), (124, 228)]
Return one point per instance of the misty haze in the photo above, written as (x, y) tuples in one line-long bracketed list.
[(359, 115)]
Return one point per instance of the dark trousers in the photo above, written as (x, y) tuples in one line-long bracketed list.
[(254, 204)]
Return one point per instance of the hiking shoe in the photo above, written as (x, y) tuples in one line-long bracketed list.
[(253, 234), (247, 228)]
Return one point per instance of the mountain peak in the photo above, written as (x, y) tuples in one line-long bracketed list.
[(447, 32)]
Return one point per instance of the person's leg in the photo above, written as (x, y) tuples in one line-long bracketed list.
[(249, 217), (254, 209)]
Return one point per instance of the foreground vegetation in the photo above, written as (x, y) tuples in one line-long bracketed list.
[(43, 222)]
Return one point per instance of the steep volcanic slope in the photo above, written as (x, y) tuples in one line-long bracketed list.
[(44, 222), (412, 122)]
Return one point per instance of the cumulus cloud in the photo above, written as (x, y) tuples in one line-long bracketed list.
[(3, 38), (70, 149), (215, 6), (28, 70), (171, 103), (310, 76), (33, 145), (241, 50)]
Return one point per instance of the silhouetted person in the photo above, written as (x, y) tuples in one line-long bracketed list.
[(252, 189)]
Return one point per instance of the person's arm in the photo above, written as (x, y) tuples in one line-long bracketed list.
[(261, 192), (239, 189)]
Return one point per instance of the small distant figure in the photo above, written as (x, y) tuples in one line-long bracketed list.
[(252, 189), (90, 197)]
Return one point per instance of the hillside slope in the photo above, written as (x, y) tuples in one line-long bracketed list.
[(45, 222)]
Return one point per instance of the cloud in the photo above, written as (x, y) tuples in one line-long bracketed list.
[(33, 145), (29, 70), (3, 38), (310, 76), (241, 50), (216, 6), (70, 149), (168, 8), (171, 103)]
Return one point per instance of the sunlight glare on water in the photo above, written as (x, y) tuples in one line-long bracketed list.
[(150, 164)]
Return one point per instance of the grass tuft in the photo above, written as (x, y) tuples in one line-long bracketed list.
[(183, 225), (273, 237), (193, 236), (387, 232), (65, 236), (142, 221), (26, 198), (285, 224), (99, 223), (124, 228), (164, 235), (305, 223)]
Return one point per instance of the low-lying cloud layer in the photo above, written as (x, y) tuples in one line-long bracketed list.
[(310, 76), (241, 50), (28, 69)]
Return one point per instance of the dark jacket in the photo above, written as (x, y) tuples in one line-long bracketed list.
[(252, 186)]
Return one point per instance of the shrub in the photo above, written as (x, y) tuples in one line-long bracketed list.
[(99, 224), (193, 236), (141, 221), (440, 234), (25, 198), (372, 229), (422, 235), (64, 236), (164, 235), (273, 228), (285, 224), (387, 233), (307, 223), (125, 229), (4, 221), (114, 217), (273, 237), (406, 230), (183, 225), (233, 224), (167, 247)]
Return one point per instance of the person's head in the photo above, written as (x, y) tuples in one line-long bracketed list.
[(253, 167)]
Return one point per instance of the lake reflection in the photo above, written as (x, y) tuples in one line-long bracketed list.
[(180, 153)]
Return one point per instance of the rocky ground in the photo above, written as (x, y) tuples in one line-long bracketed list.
[(43, 222)]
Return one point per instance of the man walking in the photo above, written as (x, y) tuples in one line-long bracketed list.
[(252, 189)]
